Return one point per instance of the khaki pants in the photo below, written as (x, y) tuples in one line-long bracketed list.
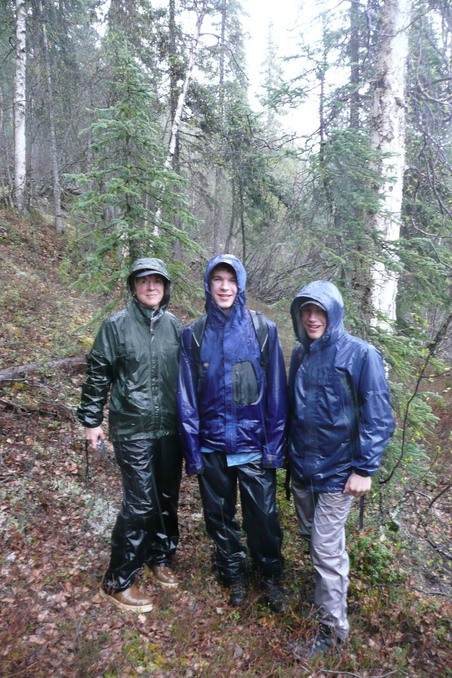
[(322, 517)]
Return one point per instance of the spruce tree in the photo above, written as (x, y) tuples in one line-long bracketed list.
[(127, 184)]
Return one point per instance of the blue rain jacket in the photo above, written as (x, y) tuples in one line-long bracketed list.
[(341, 417), (227, 403)]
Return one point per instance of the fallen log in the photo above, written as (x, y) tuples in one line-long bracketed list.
[(46, 408), (17, 373)]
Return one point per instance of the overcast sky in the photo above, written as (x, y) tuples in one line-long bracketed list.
[(286, 22), (288, 18), (261, 13)]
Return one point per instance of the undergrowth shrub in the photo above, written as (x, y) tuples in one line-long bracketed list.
[(373, 559)]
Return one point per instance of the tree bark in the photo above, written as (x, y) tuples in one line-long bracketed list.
[(176, 122), (53, 141), (183, 95), (388, 137), (19, 106)]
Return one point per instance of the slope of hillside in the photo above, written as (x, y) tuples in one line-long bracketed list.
[(40, 307), (56, 513)]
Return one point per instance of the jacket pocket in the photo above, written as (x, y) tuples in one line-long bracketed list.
[(245, 386)]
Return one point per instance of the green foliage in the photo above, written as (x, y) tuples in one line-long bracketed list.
[(409, 458), (130, 199), (373, 559), (424, 250), (149, 657), (345, 180)]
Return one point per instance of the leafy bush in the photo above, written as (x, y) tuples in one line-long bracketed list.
[(373, 559)]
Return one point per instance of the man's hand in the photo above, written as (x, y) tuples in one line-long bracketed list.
[(357, 485), (92, 436)]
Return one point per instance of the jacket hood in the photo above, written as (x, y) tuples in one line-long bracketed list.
[(152, 265), (327, 295), (240, 273)]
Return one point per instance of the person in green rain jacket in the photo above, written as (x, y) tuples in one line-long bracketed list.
[(134, 360)]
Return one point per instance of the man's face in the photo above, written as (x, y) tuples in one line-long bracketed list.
[(149, 290), (223, 285), (314, 321)]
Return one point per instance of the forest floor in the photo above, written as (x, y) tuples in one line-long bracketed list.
[(56, 522)]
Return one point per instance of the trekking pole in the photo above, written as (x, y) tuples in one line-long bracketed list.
[(98, 454), (361, 514), (87, 476)]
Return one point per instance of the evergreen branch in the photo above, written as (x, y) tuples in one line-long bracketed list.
[(431, 348)]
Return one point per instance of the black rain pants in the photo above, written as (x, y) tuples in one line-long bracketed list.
[(257, 485), (146, 528)]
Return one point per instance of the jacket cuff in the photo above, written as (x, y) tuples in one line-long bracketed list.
[(361, 472)]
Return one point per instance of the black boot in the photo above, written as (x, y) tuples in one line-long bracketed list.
[(275, 594), (237, 592)]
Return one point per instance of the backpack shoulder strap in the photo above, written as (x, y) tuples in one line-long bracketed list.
[(261, 329), (298, 357), (197, 336), (198, 328)]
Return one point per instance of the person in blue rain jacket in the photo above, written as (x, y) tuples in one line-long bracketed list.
[(232, 411), (340, 424)]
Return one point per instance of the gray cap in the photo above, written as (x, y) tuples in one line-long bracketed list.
[(313, 301)]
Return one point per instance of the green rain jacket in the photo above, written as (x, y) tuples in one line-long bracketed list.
[(135, 358)]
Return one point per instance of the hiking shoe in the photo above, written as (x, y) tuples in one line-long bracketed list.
[(164, 576), (130, 599), (275, 594), (237, 592)]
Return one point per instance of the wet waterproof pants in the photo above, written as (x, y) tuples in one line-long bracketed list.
[(146, 529), (322, 517), (257, 485)]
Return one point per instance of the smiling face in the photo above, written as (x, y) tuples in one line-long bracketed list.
[(223, 286), (149, 290), (314, 321)]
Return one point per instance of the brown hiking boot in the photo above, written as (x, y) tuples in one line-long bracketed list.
[(130, 599), (164, 576)]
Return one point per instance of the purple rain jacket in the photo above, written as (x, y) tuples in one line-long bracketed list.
[(227, 403), (341, 419)]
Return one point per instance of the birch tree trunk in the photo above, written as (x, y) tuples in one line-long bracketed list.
[(53, 141), (388, 137), (200, 13), (176, 122), (19, 107)]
